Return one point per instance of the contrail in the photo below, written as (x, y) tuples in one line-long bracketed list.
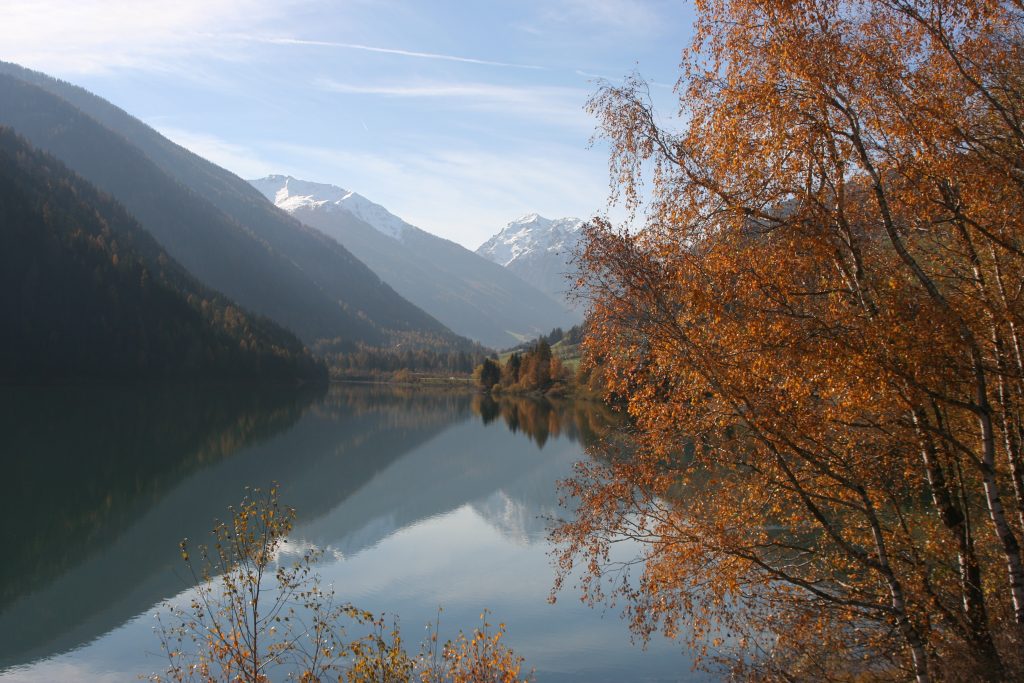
[(394, 51)]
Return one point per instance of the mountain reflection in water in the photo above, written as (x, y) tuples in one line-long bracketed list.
[(110, 479)]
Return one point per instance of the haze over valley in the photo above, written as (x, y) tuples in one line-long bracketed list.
[(491, 305)]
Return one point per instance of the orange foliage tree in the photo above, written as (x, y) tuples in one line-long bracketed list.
[(817, 333), (254, 618)]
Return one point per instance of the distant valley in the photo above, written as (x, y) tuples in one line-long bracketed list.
[(471, 295), (213, 222), (243, 266)]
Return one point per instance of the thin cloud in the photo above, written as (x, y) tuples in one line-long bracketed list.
[(486, 91), (90, 36), (638, 17), (396, 51), (557, 105), (238, 159)]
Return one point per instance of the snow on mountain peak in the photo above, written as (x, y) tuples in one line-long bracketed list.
[(529, 218), (291, 194), (530, 236), (375, 214)]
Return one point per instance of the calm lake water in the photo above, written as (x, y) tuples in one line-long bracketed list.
[(418, 498)]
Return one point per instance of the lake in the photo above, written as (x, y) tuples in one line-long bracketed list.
[(419, 498)]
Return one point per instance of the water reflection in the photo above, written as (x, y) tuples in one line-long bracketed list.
[(110, 479), (540, 419), (90, 463), (469, 463)]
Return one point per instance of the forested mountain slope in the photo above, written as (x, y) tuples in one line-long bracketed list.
[(86, 292), (211, 221)]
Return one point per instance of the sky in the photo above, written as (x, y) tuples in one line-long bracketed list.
[(457, 116)]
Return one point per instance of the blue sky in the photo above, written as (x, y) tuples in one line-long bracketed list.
[(457, 116)]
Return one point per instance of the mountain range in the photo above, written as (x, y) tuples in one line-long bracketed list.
[(328, 264), (92, 294), (473, 296), (539, 250), (213, 222)]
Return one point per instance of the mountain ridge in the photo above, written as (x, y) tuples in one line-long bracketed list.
[(214, 223), (539, 250), (471, 295), (94, 295)]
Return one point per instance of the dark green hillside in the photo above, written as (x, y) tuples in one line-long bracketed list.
[(94, 458), (211, 221), (86, 292)]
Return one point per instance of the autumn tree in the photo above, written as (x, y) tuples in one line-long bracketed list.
[(510, 373), (535, 372), (255, 617), (480, 657), (556, 370), (824, 300), (488, 373), (541, 364)]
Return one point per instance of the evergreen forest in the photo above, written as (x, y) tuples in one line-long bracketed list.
[(89, 293)]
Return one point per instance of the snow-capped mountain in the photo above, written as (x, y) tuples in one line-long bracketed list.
[(467, 292), (537, 249), (529, 236), (292, 194)]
